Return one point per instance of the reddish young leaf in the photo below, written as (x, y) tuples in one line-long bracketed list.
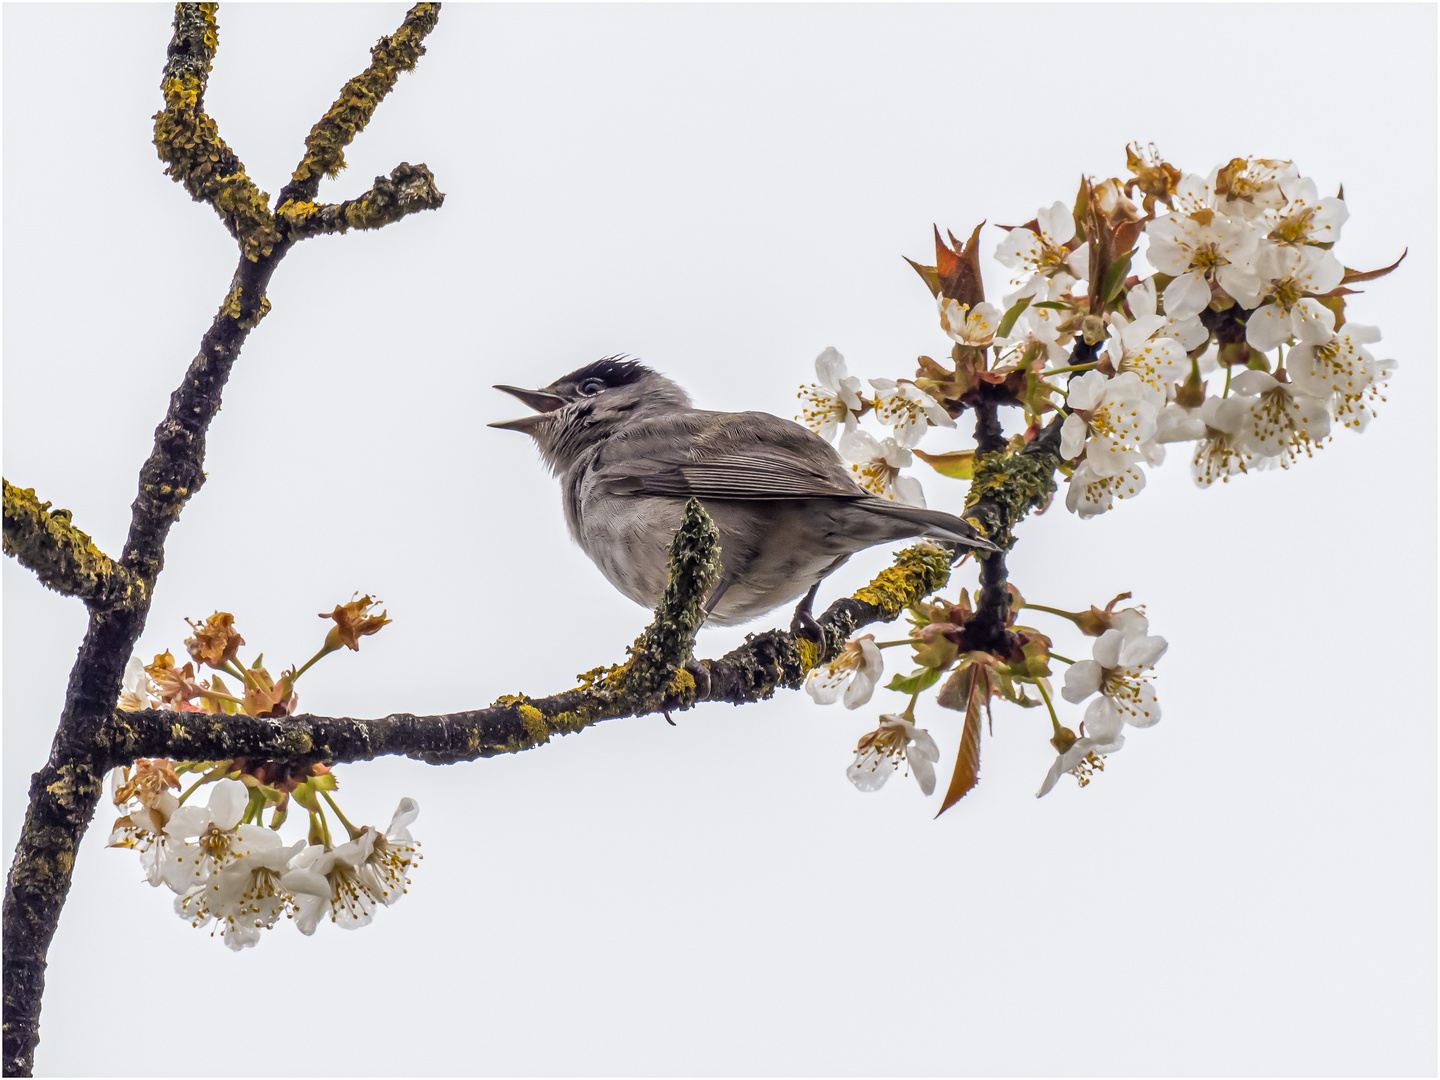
[(1371, 275), (967, 688)]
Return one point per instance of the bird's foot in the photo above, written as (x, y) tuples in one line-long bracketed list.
[(701, 674), (803, 625)]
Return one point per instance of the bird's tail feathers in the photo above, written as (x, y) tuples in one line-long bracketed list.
[(935, 524)]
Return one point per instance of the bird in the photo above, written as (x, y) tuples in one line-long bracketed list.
[(629, 449)]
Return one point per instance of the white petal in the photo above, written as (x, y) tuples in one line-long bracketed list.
[(227, 803), (1106, 649), (1086, 392), (924, 772), (1082, 679), (869, 771), (1103, 724), (1142, 652), (923, 746), (830, 368), (1312, 321)]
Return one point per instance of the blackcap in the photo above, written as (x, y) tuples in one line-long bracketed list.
[(629, 449)]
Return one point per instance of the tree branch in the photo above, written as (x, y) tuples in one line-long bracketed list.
[(408, 190), (65, 791), (325, 145), (63, 558), (189, 142)]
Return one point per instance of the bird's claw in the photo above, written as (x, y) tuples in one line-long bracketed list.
[(701, 674), (803, 625)]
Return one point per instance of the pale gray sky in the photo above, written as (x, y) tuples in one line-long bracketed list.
[(723, 191)]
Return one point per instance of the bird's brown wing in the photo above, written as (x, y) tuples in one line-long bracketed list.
[(714, 455)]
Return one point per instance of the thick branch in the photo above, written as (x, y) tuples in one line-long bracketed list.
[(65, 791), (325, 145), (63, 558), (408, 190), (652, 681), (189, 142)]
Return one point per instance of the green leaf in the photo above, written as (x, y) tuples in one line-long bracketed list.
[(324, 782), (1115, 277), (922, 679), (958, 464), (1008, 322), (1053, 305)]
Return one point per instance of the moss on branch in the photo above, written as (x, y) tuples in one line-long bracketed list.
[(63, 558)]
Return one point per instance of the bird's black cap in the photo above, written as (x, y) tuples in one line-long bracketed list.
[(613, 371)]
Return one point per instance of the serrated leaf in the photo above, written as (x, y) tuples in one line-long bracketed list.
[(915, 683), (972, 688), (958, 464), (324, 782), (1007, 323)]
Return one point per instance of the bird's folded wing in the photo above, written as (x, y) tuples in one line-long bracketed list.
[(759, 475)]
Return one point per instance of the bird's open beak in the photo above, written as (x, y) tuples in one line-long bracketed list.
[(541, 402)]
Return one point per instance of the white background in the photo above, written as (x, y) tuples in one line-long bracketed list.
[(723, 191)]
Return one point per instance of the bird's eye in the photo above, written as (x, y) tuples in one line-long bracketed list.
[(591, 387)]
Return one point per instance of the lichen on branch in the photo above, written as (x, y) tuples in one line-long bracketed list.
[(407, 190), (63, 558), (190, 144), (347, 117)]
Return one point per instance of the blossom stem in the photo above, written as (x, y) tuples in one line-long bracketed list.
[(1053, 611), (354, 832), (890, 644), (1067, 370), (1045, 696), (231, 668), (191, 789), (324, 826), (1228, 368), (325, 650), (1062, 659)]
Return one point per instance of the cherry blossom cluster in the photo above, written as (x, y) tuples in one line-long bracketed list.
[(1243, 279), (1162, 307), (1117, 681), (229, 871), (239, 878), (833, 404)]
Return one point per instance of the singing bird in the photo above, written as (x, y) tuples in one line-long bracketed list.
[(629, 449)]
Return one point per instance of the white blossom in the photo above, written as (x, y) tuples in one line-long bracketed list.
[(1286, 274), (1109, 419), (386, 858), (1341, 369), (1281, 422), (1041, 259), (896, 740), (219, 836), (244, 897), (1179, 423), (1090, 493), (330, 880), (1041, 326), (1085, 756), (1204, 246), (854, 673), (142, 828), (1248, 188), (876, 466), (966, 325), (1221, 453), (135, 687), (1184, 299), (1158, 362), (1306, 218), (832, 402), (909, 410), (1120, 671)]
